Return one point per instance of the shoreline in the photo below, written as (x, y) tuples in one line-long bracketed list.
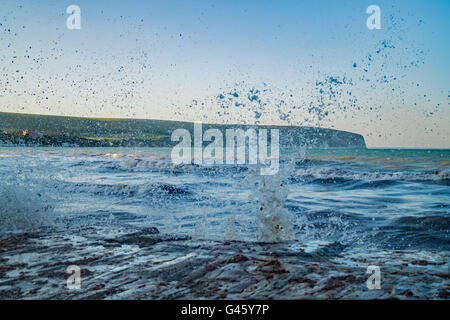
[(143, 264)]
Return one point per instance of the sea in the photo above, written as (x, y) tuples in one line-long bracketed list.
[(387, 198), (364, 200)]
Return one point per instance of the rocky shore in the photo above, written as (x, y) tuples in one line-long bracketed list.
[(144, 264)]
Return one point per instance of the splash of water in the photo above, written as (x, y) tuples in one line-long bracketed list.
[(23, 208), (269, 193), (25, 203)]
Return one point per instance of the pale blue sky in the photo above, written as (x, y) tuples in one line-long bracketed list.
[(173, 59)]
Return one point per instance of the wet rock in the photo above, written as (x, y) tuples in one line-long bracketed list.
[(200, 269), (444, 293), (279, 284), (4, 269), (238, 258), (408, 293), (10, 294), (333, 283), (350, 278), (240, 286), (85, 261), (231, 272), (210, 267), (314, 269), (15, 242), (145, 240), (271, 266), (98, 286), (302, 280)]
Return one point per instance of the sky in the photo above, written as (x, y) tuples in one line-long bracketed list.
[(269, 62)]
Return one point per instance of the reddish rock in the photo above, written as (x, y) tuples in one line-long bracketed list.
[(238, 258)]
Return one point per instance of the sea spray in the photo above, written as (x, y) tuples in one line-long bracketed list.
[(25, 204), (274, 222)]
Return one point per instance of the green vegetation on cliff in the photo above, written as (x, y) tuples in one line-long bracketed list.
[(33, 129)]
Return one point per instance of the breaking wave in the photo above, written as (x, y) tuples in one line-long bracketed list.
[(338, 175), (130, 190), (23, 208)]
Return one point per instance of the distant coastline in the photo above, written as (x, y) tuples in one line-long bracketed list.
[(62, 131)]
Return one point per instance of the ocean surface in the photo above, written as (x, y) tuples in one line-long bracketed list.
[(377, 198), (143, 228)]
